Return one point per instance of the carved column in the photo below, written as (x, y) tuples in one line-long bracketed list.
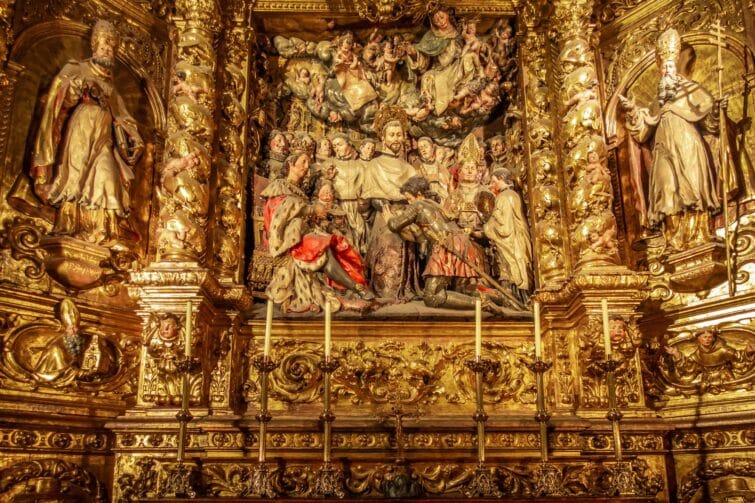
[(184, 178), (545, 193), (573, 313), (589, 194), (231, 170)]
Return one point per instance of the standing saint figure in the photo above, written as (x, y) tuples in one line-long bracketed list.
[(682, 176), (507, 230), (87, 145), (392, 261)]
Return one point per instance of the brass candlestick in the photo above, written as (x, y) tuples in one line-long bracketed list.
[(180, 478), (263, 476), (622, 479), (484, 483), (548, 475), (329, 481)]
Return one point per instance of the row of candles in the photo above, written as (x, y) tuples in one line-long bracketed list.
[(478, 329)]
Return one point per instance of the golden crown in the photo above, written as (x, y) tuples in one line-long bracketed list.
[(668, 45), (104, 31)]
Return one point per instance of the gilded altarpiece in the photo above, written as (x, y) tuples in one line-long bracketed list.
[(401, 164)]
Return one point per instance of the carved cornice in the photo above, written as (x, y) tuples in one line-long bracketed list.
[(44, 440), (502, 8), (632, 285), (187, 274)]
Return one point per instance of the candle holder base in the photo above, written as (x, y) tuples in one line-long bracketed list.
[(264, 365), (549, 480), (483, 366), (262, 481), (182, 481), (623, 480), (329, 482), (484, 484)]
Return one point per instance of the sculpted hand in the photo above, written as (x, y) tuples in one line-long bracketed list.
[(675, 354)]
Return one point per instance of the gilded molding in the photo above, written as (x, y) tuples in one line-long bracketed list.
[(45, 440), (506, 7)]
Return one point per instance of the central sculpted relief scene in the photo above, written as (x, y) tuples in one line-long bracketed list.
[(390, 181), (380, 250)]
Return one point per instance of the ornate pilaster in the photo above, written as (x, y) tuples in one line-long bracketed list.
[(231, 172), (545, 193), (587, 182), (184, 191)]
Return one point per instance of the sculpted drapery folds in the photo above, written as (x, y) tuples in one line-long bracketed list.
[(683, 173), (86, 146), (303, 251)]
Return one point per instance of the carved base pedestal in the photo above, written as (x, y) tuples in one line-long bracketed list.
[(699, 268)]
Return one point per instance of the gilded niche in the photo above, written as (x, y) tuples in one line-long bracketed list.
[(389, 180), (83, 180)]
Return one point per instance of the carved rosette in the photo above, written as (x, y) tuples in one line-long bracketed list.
[(184, 179), (589, 192), (232, 141)]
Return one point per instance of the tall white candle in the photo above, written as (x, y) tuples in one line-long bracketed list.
[(538, 335), (327, 330), (478, 327), (606, 328), (268, 328), (187, 341)]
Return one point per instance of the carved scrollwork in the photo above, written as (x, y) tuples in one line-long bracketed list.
[(23, 237), (136, 478), (55, 477), (708, 362), (625, 339), (435, 479), (65, 354), (714, 469), (395, 372), (385, 11)]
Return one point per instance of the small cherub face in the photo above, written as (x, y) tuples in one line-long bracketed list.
[(168, 328), (304, 76), (593, 158), (617, 330)]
